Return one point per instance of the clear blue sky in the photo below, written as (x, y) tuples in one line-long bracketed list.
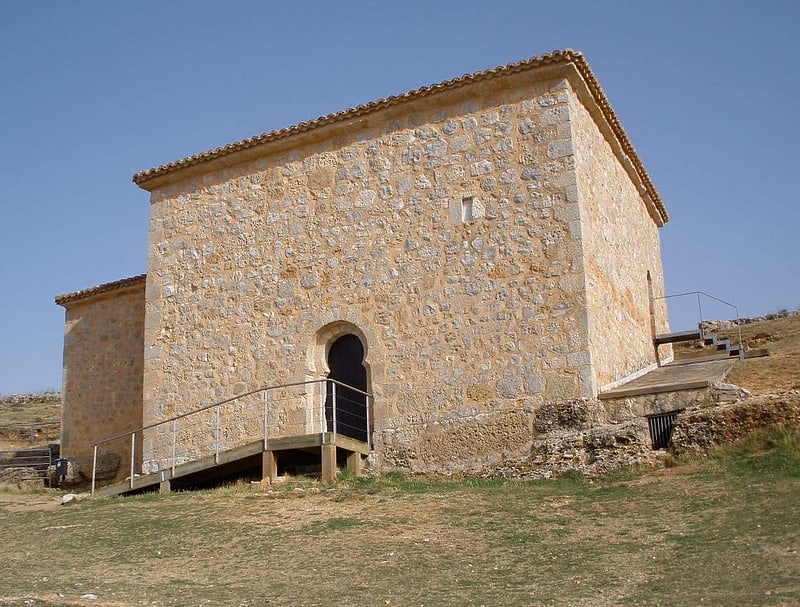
[(94, 91)]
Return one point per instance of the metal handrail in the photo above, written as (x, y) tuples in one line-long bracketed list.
[(700, 312), (265, 389)]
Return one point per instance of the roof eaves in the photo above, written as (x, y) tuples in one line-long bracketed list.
[(611, 117), (568, 56), (108, 287)]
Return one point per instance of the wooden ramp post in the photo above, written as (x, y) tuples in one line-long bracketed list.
[(328, 463), (354, 462), (269, 467)]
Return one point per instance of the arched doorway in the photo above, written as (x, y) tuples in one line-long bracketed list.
[(346, 363)]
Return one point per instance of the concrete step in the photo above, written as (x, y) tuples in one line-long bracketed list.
[(678, 336), (683, 375)]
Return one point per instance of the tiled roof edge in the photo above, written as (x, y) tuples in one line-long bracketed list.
[(613, 120), (559, 56), (99, 289)]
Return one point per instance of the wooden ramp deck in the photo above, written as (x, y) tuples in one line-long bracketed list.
[(247, 456)]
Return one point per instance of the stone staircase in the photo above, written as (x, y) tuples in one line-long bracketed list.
[(27, 464), (722, 345)]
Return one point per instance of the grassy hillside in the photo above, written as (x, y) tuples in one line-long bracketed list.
[(779, 371), (29, 424), (718, 531), (30, 413)]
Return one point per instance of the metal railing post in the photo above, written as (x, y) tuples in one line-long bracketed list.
[(216, 442), (739, 327), (700, 312), (322, 395), (369, 434), (266, 420), (174, 443), (333, 406), (133, 454), (94, 466)]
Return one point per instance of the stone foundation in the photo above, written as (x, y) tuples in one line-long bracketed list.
[(701, 429), (712, 417)]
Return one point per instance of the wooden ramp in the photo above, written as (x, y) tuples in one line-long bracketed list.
[(247, 457)]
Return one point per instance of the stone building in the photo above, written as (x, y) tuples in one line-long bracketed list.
[(466, 253)]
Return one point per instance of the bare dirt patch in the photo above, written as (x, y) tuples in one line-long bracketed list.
[(19, 501), (657, 475)]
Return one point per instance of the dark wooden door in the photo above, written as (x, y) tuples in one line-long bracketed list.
[(346, 364)]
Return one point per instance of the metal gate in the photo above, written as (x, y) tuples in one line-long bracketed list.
[(661, 425)]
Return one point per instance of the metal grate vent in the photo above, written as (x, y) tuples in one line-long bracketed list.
[(661, 426)]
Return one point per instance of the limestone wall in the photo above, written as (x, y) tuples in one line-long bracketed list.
[(621, 249), (468, 325), (102, 380)]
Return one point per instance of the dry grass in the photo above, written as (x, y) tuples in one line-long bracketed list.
[(710, 532), (43, 421), (780, 370), (30, 413)]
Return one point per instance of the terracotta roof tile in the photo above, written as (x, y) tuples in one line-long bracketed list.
[(568, 56), (99, 289)]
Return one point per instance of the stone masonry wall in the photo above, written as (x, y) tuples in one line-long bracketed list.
[(442, 233), (621, 246), (103, 370)]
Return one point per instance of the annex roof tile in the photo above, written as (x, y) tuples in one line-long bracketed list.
[(108, 287)]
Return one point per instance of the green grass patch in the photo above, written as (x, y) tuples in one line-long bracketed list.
[(333, 525), (775, 451)]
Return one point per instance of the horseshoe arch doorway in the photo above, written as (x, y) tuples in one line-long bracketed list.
[(345, 360)]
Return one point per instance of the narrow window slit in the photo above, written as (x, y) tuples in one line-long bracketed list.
[(467, 209)]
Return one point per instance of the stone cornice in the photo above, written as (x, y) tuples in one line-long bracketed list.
[(109, 287), (154, 178)]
